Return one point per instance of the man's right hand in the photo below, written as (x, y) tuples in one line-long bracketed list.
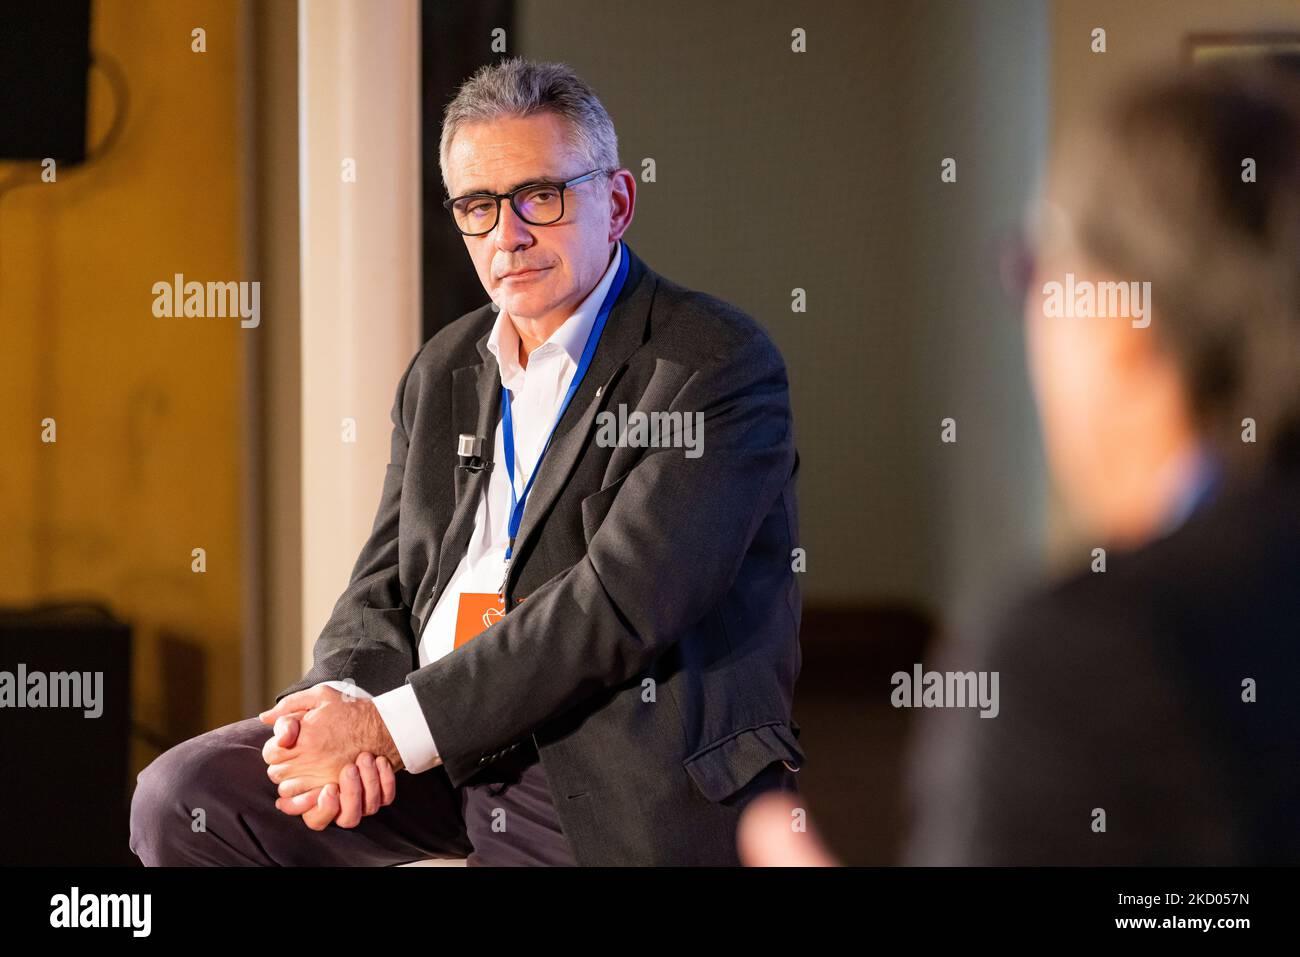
[(365, 787)]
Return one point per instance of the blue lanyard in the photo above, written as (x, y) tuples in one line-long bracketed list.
[(517, 503)]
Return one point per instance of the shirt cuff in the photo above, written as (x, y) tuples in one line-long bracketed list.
[(346, 687), (401, 714)]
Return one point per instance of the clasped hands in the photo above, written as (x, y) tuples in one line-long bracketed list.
[(331, 756)]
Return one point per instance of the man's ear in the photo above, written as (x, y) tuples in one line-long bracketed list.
[(622, 203), (1128, 349), (1147, 376), (1125, 347), (1135, 352)]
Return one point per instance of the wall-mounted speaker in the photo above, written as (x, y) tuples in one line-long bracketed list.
[(44, 63)]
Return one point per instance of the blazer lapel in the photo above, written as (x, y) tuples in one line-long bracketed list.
[(475, 408), (624, 332)]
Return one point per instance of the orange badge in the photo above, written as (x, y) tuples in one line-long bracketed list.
[(477, 611)]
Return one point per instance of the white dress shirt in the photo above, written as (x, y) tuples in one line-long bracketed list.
[(536, 394)]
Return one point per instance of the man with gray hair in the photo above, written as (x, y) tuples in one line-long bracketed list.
[(579, 652)]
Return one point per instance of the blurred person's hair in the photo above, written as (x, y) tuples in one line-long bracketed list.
[(516, 87), (1150, 187)]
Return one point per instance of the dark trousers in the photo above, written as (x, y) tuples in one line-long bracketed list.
[(222, 774)]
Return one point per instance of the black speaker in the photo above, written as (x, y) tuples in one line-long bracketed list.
[(65, 735), (44, 62)]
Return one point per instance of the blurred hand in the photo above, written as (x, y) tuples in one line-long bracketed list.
[(774, 831)]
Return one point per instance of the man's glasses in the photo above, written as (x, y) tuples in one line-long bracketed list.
[(538, 204)]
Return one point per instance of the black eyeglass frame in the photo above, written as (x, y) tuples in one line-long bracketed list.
[(497, 197)]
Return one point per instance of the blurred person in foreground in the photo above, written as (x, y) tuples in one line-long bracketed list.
[(1149, 712)]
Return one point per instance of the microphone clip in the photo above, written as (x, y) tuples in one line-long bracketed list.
[(469, 452)]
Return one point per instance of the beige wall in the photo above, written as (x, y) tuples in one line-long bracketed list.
[(1141, 36), (359, 81), (906, 323)]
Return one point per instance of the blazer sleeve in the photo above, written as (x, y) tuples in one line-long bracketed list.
[(368, 638), (666, 553)]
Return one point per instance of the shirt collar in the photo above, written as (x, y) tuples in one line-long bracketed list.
[(570, 337)]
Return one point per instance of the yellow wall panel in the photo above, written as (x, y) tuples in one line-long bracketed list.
[(146, 466)]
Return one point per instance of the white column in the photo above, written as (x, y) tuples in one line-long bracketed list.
[(359, 88)]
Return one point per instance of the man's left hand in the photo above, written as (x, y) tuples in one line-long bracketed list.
[(334, 730)]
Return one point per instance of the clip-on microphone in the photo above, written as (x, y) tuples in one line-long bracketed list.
[(469, 451)]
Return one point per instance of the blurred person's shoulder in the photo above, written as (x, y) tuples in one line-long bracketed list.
[(1228, 573), (1158, 686), (1215, 598)]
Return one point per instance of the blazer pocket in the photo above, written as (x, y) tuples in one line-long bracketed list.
[(728, 764), (596, 506)]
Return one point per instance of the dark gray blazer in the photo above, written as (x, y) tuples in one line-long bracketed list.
[(651, 645)]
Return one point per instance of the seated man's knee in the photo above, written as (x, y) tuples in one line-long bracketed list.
[(180, 790)]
